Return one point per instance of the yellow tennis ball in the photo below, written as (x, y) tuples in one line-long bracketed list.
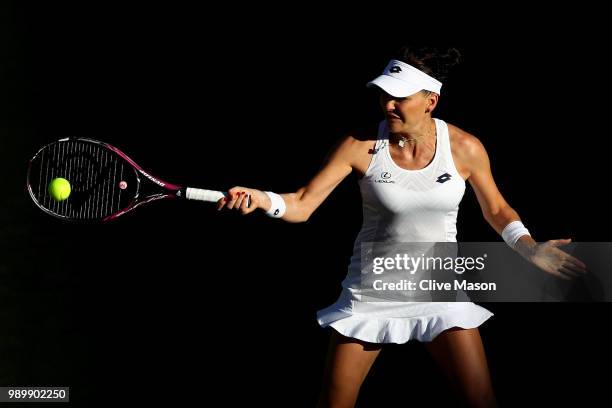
[(59, 189)]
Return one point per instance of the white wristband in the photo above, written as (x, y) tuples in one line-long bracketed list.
[(277, 210), (513, 231)]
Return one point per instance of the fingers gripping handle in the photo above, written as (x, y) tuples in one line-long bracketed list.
[(208, 195), (203, 195)]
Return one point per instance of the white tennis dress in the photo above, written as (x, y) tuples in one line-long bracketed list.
[(402, 205)]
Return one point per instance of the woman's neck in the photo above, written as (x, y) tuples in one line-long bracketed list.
[(423, 135)]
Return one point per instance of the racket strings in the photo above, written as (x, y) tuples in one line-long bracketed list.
[(95, 174)]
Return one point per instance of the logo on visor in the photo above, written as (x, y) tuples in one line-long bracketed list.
[(395, 69)]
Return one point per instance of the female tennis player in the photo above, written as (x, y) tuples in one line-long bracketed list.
[(412, 169)]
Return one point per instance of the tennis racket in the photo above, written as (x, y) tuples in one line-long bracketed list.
[(104, 182)]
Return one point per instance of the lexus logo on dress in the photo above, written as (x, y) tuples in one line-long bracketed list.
[(384, 178)]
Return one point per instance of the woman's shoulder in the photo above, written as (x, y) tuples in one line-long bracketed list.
[(356, 148), (359, 139), (464, 144), (367, 134)]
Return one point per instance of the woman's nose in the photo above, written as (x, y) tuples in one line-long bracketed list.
[(390, 105)]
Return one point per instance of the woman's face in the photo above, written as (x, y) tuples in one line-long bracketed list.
[(408, 113)]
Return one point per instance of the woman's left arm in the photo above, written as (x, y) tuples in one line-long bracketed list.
[(499, 214)]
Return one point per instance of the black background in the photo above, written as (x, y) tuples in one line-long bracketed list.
[(176, 301)]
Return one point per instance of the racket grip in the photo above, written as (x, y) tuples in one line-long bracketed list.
[(203, 195)]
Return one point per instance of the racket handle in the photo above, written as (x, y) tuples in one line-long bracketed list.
[(208, 195), (203, 195)]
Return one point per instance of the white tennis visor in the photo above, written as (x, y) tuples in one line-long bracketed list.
[(400, 79)]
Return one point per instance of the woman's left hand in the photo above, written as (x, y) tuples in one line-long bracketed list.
[(551, 259)]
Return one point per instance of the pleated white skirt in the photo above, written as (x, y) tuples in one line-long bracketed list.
[(399, 322)]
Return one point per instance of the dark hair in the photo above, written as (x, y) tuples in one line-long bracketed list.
[(434, 61)]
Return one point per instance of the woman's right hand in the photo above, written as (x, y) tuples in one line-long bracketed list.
[(246, 200)]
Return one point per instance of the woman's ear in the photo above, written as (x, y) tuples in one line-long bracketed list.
[(432, 102)]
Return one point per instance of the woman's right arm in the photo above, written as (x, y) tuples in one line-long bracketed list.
[(302, 203)]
